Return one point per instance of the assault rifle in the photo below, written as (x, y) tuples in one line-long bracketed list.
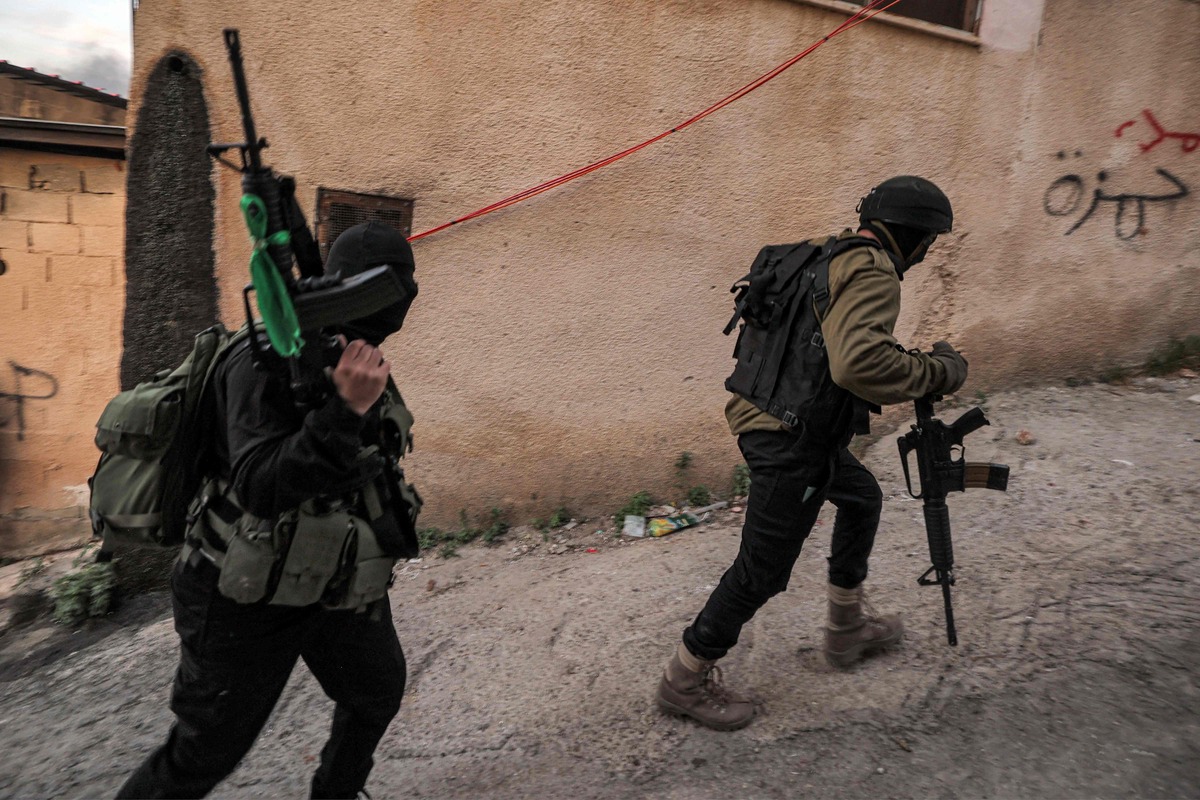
[(940, 472), (290, 306)]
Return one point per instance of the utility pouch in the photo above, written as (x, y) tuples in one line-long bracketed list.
[(313, 558), (140, 423), (369, 570), (249, 561)]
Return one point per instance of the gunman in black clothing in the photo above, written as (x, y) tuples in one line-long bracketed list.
[(290, 551)]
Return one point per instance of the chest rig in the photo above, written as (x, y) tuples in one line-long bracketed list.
[(335, 551)]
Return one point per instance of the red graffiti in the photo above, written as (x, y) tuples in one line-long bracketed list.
[(1187, 141)]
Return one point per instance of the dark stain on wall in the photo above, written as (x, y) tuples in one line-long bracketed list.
[(171, 291)]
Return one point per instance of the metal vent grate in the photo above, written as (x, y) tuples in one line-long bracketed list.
[(338, 210)]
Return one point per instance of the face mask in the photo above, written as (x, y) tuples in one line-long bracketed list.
[(918, 254), (378, 326)]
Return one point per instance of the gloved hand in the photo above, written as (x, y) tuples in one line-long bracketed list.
[(955, 367)]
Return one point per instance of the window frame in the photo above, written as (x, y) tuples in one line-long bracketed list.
[(971, 37)]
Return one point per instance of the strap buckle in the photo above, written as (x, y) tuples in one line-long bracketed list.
[(817, 339)]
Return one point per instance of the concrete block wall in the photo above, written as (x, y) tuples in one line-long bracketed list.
[(61, 304)]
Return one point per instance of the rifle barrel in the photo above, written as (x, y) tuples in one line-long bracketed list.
[(233, 44)]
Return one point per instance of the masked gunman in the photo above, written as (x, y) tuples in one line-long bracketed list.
[(797, 402), (290, 552)]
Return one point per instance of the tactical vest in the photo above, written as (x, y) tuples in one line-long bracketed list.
[(782, 365), (338, 552)]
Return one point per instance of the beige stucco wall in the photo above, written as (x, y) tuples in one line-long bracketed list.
[(61, 300), (568, 349)]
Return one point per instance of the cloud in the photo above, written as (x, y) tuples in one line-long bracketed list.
[(80, 40), (104, 71)]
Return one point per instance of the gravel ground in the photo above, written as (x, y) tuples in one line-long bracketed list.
[(532, 672)]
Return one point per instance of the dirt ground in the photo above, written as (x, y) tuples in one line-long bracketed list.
[(532, 672)]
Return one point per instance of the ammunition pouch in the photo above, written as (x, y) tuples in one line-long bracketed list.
[(319, 553)]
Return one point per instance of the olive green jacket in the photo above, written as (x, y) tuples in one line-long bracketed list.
[(864, 357)]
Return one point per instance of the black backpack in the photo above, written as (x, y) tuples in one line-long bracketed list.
[(782, 366)]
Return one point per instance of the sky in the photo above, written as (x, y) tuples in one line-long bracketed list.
[(80, 40)]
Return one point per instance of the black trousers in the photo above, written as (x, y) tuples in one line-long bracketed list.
[(784, 469), (235, 660)]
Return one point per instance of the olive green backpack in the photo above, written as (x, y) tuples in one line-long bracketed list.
[(151, 443)]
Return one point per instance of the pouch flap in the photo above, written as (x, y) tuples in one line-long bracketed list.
[(140, 422)]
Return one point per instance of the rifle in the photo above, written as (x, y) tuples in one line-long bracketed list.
[(940, 472), (290, 307)]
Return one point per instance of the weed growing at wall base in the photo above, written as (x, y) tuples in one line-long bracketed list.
[(637, 506), (1176, 355), (82, 593), (741, 480)]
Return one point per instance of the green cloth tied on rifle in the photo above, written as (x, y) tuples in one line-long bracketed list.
[(274, 302)]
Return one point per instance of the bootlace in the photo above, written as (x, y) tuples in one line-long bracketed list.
[(713, 686), (868, 610)]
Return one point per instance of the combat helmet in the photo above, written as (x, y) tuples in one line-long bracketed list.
[(910, 201), (912, 211)]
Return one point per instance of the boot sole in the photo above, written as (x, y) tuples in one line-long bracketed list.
[(680, 711), (848, 658)]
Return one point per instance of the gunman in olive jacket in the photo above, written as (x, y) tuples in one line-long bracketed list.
[(288, 472), (794, 469)]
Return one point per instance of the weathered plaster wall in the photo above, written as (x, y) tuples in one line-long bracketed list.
[(568, 349), (61, 297)]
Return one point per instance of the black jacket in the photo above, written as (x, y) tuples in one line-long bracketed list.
[(275, 455)]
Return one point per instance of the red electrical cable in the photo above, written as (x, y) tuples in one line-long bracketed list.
[(868, 10)]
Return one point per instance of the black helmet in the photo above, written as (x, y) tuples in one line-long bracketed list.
[(910, 201)]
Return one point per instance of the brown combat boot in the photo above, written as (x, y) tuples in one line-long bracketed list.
[(692, 688), (854, 629)]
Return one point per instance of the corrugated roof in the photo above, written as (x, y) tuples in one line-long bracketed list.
[(64, 85)]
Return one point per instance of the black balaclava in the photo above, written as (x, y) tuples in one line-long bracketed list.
[(909, 245), (373, 244)]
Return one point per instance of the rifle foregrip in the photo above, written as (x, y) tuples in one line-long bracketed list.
[(968, 423), (937, 529), (979, 475)]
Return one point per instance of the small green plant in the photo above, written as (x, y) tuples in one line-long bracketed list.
[(741, 480), (560, 517), (465, 533), (539, 524), (637, 506), (699, 496), (496, 529), (429, 537), (83, 592), (32, 570), (1176, 355), (449, 549), (683, 463)]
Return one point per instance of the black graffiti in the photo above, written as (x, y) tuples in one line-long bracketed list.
[(1065, 195), (18, 395)]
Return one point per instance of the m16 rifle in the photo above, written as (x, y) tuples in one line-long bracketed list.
[(934, 442), (292, 307)]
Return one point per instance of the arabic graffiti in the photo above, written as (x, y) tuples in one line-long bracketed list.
[(48, 385), (1066, 195), (1187, 141)]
